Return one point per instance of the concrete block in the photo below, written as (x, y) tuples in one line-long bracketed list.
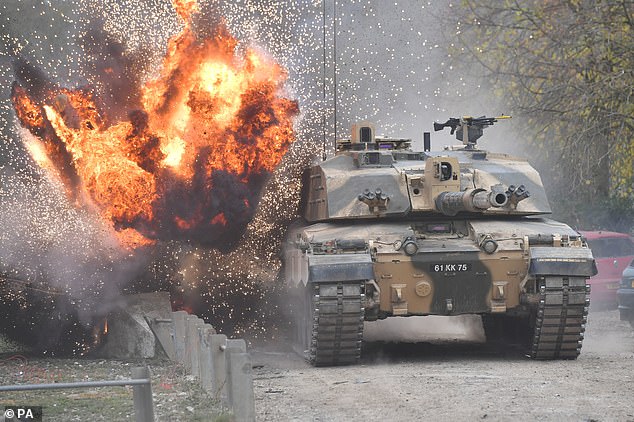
[(219, 390), (163, 330), (129, 333), (129, 336), (157, 310), (240, 385), (180, 330)]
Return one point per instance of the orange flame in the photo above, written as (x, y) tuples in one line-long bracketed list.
[(190, 161), (219, 219)]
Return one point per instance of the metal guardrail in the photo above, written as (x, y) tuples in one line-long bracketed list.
[(141, 390), (222, 366)]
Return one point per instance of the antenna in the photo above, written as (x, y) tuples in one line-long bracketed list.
[(334, 60), (323, 85), (334, 76)]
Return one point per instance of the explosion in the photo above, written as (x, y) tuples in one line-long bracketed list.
[(190, 160)]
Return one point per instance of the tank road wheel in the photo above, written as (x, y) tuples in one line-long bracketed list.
[(561, 317), (331, 330)]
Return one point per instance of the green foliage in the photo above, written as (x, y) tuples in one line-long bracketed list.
[(566, 68)]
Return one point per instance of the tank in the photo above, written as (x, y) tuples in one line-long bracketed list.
[(388, 232)]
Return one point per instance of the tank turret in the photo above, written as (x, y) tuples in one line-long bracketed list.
[(392, 232), (380, 177)]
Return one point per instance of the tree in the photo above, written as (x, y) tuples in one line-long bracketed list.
[(567, 67)]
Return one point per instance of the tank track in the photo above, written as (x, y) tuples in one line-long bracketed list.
[(336, 320), (561, 318)]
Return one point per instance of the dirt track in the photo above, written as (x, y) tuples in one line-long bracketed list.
[(454, 377)]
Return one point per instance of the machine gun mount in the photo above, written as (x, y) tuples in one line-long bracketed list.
[(468, 129)]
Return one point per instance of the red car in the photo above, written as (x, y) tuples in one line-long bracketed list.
[(612, 252)]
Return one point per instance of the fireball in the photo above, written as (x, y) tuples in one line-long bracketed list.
[(190, 160)]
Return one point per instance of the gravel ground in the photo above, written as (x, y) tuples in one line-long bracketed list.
[(451, 375), (448, 374)]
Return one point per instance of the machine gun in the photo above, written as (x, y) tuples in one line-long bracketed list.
[(468, 129)]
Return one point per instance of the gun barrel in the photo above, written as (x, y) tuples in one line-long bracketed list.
[(472, 200)]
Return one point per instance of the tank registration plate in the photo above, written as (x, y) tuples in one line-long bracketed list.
[(453, 267)]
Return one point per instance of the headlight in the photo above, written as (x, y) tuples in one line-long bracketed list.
[(627, 282), (489, 246), (410, 247)]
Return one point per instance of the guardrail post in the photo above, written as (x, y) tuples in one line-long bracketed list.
[(142, 395), (232, 346), (192, 341), (180, 330), (219, 389), (206, 364), (240, 386)]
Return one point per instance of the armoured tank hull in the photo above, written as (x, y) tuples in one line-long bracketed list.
[(449, 233)]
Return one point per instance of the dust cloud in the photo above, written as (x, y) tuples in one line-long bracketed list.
[(431, 329)]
